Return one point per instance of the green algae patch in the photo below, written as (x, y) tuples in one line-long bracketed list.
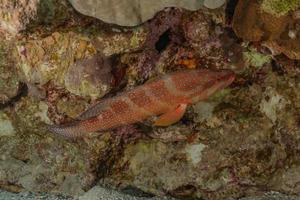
[(256, 59), (280, 7)]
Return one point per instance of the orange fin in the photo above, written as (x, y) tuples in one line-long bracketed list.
[(171, 117)]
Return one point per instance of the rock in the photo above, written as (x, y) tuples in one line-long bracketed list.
[(272, 196), (31, 196), (99, 193), (90, 77), (52, 59), (239, 143), (12, 169), (71, 186), (48, 58), (284, 180), (128, 12), (280, 7), (194, 153), (227, 147), (197, 31), (272, 103), (16, 15), (6, 126), (251, 22), (203, 110), (19, 15), (9, 81), (118, 42), (33, 159)]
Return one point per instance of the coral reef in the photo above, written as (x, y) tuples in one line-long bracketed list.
[(128, 12), (243, 141)]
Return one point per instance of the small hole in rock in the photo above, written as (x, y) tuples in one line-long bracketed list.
[(163, 41), (276, 67)]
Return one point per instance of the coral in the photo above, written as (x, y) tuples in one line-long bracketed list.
[(279, 7), (213, 4), (129, 13)]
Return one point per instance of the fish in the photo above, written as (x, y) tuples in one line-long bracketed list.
[(166, 97)]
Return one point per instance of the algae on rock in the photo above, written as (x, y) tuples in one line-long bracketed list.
[(280, 7), (226, 147)]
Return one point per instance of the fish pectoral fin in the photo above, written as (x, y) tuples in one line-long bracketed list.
[(171, 117)]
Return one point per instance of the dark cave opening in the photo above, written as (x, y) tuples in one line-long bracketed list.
[(163, 41)]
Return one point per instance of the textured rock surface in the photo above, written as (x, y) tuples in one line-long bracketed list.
[(280, 8), (9, 83), (272, 196), (30, 196), (55, 58), (16, 16), (241, 142), (254, 21), (99, 193)]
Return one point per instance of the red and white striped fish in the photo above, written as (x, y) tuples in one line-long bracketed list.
[(167, 97)]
